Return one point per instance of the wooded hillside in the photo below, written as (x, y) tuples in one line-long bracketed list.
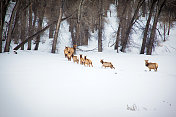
[(83, 17)]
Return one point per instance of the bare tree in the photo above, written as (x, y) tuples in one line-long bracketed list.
[(3, 8), (121, 6), (147, 27), (40, 14), (57, 27), (23, 22), (124, 43), (100, 26), (152, 35), (8, 40), (53, 16), (30, 25)]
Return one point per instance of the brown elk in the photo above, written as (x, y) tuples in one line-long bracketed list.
[(69, 55), (72, 50), (151, 65), (107, 64), (88, 62), (66, 51), (75, 59), (82, 61)]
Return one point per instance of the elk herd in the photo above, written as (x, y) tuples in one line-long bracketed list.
[(70, 51)]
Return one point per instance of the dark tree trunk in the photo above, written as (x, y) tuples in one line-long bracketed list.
[(164, 31), (78, 34), (23, 24), (147, 27), (71, 29), (4, 5), (121, 5), (30, 27), (15, 34), (144, 9), (8, 40), (3, 8), (86, 37), (169, 23), (40, 15), (117, 38), (57, 28), (52, 16), (1, 25), (100, 27), (152, 36), (124, 44), (51, 31), (78, 41)]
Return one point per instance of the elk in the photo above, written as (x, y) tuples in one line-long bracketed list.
[(151, 65), (69, 55), (82, 61), (107, 64), (72, 50), (66, 51), (75, 59), (88, 62)]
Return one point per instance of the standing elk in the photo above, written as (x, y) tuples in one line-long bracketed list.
[(151, 65), (88, 62)]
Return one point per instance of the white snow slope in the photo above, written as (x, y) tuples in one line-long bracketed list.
[(40, 84)]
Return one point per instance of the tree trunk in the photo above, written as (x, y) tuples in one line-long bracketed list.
[(124, 44), (30, 27), (121, 22), (152, 36), (71, 29), (147, 27), (169, 23), (52, 16), (57, 28), (40, 15), (8, 40), (100, 26), (164, 31), (23, 24), (79, 23), (3, 8), (143, 9), (86, 37), (51, 31), (78, 33), (15, 34), (117, 38)]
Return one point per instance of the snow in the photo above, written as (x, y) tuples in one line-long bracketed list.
[(41, 84)]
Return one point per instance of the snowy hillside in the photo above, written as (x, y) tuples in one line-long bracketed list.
[(40, 84)]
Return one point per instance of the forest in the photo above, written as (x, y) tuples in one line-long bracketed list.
[(25, 25)]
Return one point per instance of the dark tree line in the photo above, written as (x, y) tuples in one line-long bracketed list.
[(83, 16)]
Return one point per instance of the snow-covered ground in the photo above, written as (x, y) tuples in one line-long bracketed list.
[(41, 84)]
